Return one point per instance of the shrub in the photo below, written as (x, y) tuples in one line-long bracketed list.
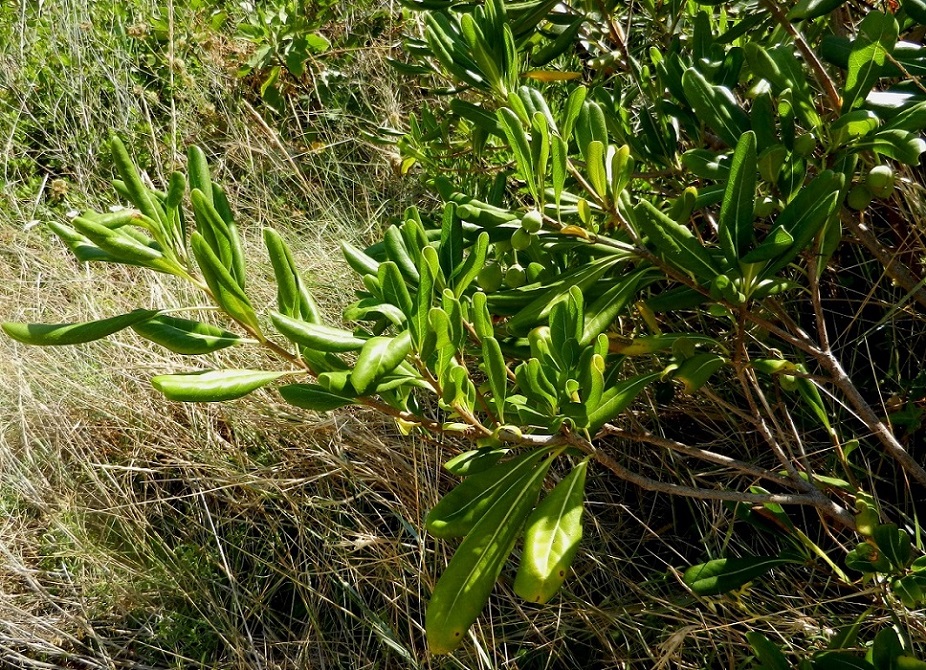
[(651, 204)]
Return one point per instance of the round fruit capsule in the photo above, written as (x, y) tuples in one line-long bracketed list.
[(880, 181), (490, 278), (515, 276), (521, 239), (859, 197), (532, 222)]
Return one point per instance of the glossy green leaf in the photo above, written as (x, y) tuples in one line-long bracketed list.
[(694, 372), (617, 398), (839, 660), (551, 538), (138, 194), (225, 289), (497, 374), (457, 512), (726, 574), (675, 243), (60, 334), (316, 336), (915, 9), (600, 314), (520, 147), (314, 397), (360, 262), (901, 145), (395, 292), (450, 252), (474, 461), (184, 336), (469, 269), (293, 297), (378, 357), (716, 107), (213, 385), (877, 34), (464, 587), (812, 9), (735, 228)]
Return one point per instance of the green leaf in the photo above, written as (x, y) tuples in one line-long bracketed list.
[(520, 147), (219, 235), (594, 166), (378, 357), (61, 334), (726, 574), (736, 213), (138, 194), (225, 289), (839, 660), (213, 385), (715, 106), (293, 297), (424, 298), (464, 587), (316, 336), (497, 374), (877, 35), (915, 9), (457, 512), (469, 269), (602, 313), (395, 292), (885, 649), (675, 243), (894, 544), (360, 262), (551, 538), (804, 216), (450, 252), (694, 372), (198, 170), (184, 336), (314, 397), (901, 145), (474, 461), (617, 398), (767, 652), (852, 126), (812, 9)]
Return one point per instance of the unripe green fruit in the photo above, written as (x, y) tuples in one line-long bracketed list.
[(521, 239), (764, 207), (490, 278), (805, 144), (515, 276), (788, 382), (859, 197), (880, 181), (502, 246), (532, 222)]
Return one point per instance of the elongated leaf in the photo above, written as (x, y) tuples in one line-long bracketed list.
[(716, 106), (213, 385), (450, 252), (675, 243), (894, 544), (316, 336), (812, 9), (225, 289), (138, 194), (314, 397), (185, 336), (805, 215), (695, 371), (464, 587), (469, 269), (736, 213), (725, 574), (60, 334), (877, 35), (520, 146), (378, 357), (601, 313), (767, 652), (395, 292), (551, 538), (497, 374), (293, 297), (617, 398), (457, 512)]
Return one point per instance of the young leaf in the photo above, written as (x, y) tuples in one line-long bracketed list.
[(61, 334), (213, 385), (293, 298), (450, 251), (520, 147), (225, 289), (463, 589), (138, 194), (736, 213), (184, 336), (551, 538), (497, 373), (617, 398)]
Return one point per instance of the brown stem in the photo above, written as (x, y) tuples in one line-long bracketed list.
[(893, 266)]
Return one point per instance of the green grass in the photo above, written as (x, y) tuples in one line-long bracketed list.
[(140, 533)]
